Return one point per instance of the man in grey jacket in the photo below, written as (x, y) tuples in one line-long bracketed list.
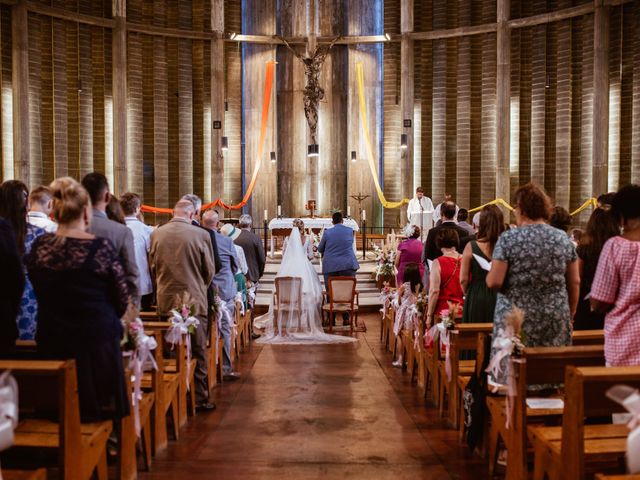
[(225, 285), (120, 236)]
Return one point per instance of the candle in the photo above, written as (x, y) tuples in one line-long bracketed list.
[(348, 210), (279, 210), (266, 214), (364, 214)]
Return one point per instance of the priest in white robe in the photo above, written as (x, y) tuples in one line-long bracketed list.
[(420, 213)]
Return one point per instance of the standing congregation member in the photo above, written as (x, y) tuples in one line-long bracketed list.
[(601, 227), (225, 285), (11, 287), (253, 251), (616, 285), (197, 204), (409, 251), (480, 301), (181, 260), (463, 215), (338, 257), (82, 293), (13, 207), (242, 269), (437, 213), (118, 234), (420, 212), (535, 267), (40, 205), (444, 278), (560, 219), (449, 212), (131, 204)]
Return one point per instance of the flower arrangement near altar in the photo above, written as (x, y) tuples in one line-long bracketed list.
[(385, 259)]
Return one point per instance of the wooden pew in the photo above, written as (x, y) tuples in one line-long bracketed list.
[(481, 354), (82, 447), (600, 476), (39, 474), (463, 338), (165, 386), (541, 365), (564, 452), (587, 337)]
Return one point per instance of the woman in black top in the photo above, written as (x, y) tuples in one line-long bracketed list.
[(600, 228), (80, 285)]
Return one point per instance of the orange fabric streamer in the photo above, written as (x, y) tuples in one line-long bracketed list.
[(266, 101)]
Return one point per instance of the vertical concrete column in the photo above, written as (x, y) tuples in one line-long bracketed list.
[(406, 98), (503, 96), (217, 99), (600, 98), (20, 53), (119, 52)]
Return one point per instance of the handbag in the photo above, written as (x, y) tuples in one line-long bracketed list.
[(8, 409)]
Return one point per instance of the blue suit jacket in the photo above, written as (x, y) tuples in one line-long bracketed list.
[(336, 248)]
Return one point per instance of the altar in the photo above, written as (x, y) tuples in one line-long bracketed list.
[(281, 227)]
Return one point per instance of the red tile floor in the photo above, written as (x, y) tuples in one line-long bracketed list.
[(318, 412)]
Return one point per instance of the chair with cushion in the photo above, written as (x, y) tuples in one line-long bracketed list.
[(342, 297), (287, 302)]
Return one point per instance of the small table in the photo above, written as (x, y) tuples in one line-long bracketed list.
[(281, 227)]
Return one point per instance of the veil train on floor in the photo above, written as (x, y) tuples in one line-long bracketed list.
[(302, 325)]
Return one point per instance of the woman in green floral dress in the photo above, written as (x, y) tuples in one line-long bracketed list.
[(535, 268)]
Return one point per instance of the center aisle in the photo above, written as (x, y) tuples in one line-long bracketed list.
[(324, 411)]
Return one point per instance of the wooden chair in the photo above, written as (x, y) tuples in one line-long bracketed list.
[(342, 297), (287, 301), (81, 446), (463, 338), (565, 452), (541, 365)]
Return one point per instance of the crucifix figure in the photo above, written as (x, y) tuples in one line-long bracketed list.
[(313, 92)]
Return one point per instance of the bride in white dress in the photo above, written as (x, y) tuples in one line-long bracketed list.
[(303, 325)]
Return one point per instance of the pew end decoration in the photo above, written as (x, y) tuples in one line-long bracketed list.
[(8, 409), (385, 264), (629, 398)]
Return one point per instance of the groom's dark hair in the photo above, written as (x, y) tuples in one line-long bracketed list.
[(336, 218)]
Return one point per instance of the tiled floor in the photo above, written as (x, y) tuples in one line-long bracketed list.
[(325, 411)]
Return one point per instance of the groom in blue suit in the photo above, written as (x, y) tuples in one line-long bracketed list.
[(336, 247)]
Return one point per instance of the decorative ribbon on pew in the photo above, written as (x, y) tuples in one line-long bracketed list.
[(266, 100), (367, 141), (182, 324), (508, 344), (140, 356), (443, 332), (629, 398), (238, 300), (8, 409), (221, 311)]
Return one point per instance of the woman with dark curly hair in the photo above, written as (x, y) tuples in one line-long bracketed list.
[(13, 207), (616, 285), (535, 268), (601, 227)]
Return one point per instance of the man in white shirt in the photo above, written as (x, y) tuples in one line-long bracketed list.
[(420, 213), (40, 205), (131, 203), (437, 220)]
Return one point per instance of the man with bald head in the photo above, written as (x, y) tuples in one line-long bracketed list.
[(181, 260), (224, 284)]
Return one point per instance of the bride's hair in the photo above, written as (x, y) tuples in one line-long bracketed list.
[(300, 224)]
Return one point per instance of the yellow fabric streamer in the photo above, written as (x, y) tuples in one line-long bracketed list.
[(367, 139), (497, 201), (592, 202)]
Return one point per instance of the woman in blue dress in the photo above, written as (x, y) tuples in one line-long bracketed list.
[(13, 207)]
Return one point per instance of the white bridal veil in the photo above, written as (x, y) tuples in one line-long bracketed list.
[(300, 322)]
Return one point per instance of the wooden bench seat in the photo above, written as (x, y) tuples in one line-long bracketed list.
[(540, 365), (82, 447), (601, 476), (39, 474), (567, 451)]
